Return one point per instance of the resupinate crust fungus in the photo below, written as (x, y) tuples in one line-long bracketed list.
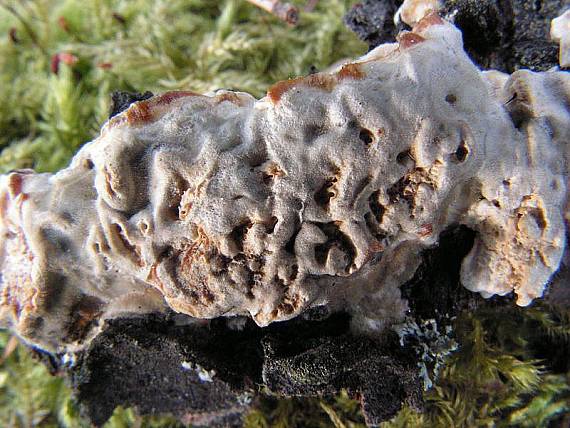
[(322, 193)]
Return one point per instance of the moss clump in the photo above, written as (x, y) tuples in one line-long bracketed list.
[(512, 368), (339, 411), (101, 46)]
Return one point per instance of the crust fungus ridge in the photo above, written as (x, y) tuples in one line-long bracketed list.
[(322, 193), (560, 33), (413, 11)]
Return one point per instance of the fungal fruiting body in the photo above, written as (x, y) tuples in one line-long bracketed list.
[(412, 11), (560, 33), (324, 192)]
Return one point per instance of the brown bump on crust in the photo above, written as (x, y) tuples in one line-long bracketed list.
[(109, 181), (351, 71), (15, 184), (409, 39), (276, 91), (426, 229), (427, 21), (146, 111), (273, 170), (184, 210), (193, 256), (139, 113), (229, 97), (168, 97), (289, 305), (322, 81)]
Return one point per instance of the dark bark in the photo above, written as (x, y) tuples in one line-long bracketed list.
[(501, 34), (135, 361), (122, 100)]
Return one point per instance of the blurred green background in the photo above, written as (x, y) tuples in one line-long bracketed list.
[(137, 45)]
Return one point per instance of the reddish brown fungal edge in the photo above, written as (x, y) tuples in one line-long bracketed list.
[(427, 21), (139, 113), (426, 229), (323, 81), (168, 97), (351, 71), (409, 39), (229, 97), (15, 184), (148, 110), (276, 91)]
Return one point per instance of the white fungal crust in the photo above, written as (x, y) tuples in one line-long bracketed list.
[(560, 33), (323, 192), (412, 11)]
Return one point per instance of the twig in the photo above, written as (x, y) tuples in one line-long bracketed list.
[(284, 11)]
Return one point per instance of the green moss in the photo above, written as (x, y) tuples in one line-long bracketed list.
[(338, 412), (139, 45), (506, 372), (28, 395)]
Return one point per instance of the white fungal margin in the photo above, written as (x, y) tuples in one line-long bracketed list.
[(560, 33)]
